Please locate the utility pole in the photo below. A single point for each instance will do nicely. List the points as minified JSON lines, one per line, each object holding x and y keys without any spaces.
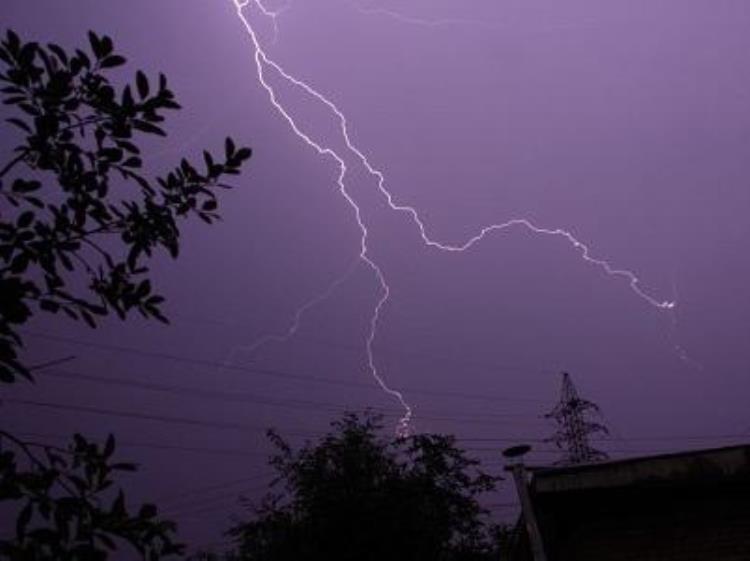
{"x":574,"y":429}
{"x":516,"y":467}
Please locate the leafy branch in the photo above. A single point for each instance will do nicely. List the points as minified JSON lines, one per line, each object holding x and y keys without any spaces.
{"x":68,"y":508}
{"x":80,"y":141}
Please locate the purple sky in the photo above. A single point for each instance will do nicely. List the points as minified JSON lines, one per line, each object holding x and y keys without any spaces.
{"x":625,"y":123}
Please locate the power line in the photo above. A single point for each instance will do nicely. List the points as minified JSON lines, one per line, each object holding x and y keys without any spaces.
{"x":536,"y":451}
{"x":243,"y":397}
{"x":157,"y":446}
{"x":151,"y":417}
{"x":157,"y":418}
{"x":624,"y":439}
{"x":265,"y":371}
{"x":230,"y":496}
{"x":296,"y":432}
{"x":199,"y":511}
{"x":238,"y":495}
{"x":247,"y":453}
{"x":188,"y":360}
{"x":50,"y":363}
{"x":493,"y":366}
{"x":214,"y":487}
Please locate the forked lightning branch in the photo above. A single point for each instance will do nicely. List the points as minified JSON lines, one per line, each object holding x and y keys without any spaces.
{"x":248,"y":11}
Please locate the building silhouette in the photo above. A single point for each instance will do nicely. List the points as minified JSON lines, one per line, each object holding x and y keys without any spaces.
{"x":689,"y":506}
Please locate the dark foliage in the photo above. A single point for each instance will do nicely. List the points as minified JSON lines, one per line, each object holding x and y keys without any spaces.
{"x":358,"y":496}
{"x":79,"y":221}
{"x":68,"y":509}
{"x":77,"y":184}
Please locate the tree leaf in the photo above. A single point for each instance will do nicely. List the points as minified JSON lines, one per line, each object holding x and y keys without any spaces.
{"x":59,"y":52}
{"x":20,"y":124}
{"x":106,"y":45}
{"x":143,"y":126}
{"x":142,"y":84}
{"x":243,"y":154}
{"x":229,"y":148}
{"x":95,"y":43}
{"x":112,"y":61}
{"x":25,"y":219}
{"x":27,"y":54}
{"x":22,"y":186}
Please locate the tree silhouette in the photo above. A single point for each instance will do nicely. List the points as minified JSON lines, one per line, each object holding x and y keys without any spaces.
{"x":358,"y":496}
{"x":67,"y":513}
{"x":79,"y":145}
{"x":81,"y":222}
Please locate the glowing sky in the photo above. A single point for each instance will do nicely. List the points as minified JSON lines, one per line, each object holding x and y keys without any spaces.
{"x":626,"y":124}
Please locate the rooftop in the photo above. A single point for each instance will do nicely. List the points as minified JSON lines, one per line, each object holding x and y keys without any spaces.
{"x":672,"y":469}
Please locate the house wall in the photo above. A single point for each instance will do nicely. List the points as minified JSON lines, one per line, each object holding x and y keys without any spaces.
{"x":686,"y":523}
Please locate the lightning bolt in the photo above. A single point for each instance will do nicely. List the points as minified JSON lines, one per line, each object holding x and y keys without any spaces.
{"x":262,"y":64}
{"x":419,"y":21}
{"x":291,"y":331}
{"x":679,"y":349}
{"x":272,"y":15}
{"x":454,"y":22}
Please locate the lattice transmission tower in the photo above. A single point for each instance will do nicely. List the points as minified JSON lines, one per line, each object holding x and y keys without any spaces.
{"x":572,"y":415}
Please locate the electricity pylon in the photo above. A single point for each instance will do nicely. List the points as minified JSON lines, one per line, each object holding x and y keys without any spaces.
{"x":574,"y":429}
